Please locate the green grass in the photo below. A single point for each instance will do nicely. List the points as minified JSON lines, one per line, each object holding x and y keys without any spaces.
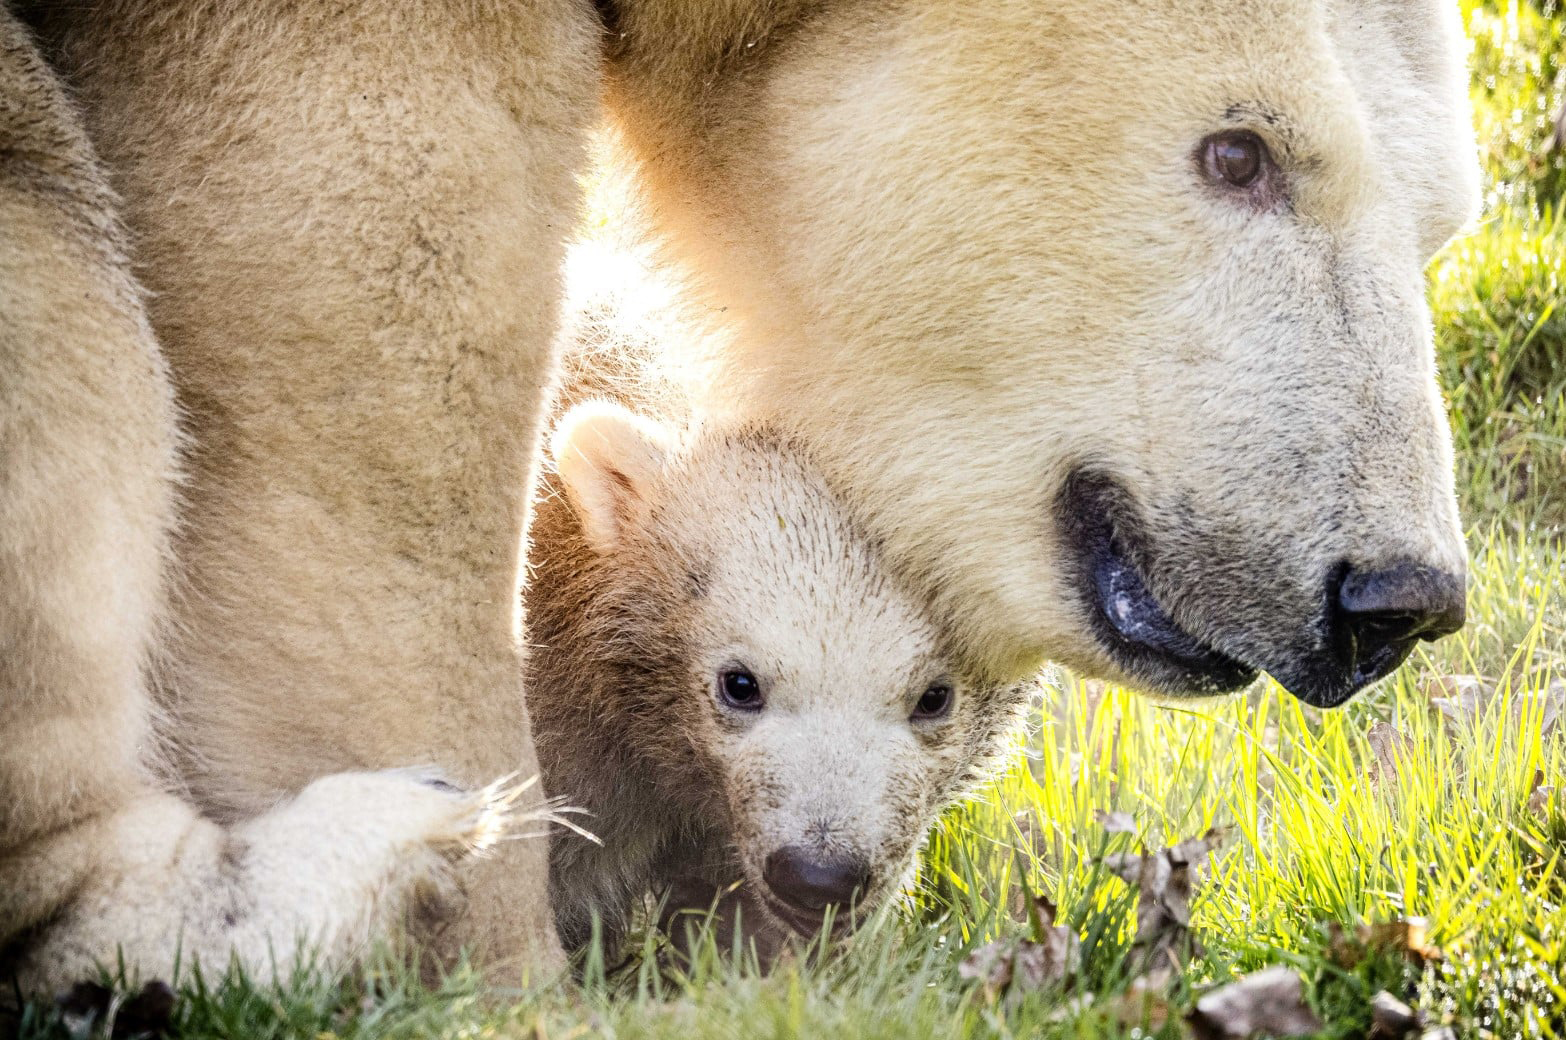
{"x":1319,"y":832}
{"x":1497,"y":293}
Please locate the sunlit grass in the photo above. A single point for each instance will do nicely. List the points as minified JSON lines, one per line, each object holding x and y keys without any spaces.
{"x":1320,"y":833}
{"x":1497,"y":293}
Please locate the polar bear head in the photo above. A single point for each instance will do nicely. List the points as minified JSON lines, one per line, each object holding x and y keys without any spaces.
{"x":1109,"y":322}
{"x":771,"y":696}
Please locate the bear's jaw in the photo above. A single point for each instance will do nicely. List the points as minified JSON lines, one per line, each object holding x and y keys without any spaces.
{"x":1336,"y":646}
{"x":1132,"y":626}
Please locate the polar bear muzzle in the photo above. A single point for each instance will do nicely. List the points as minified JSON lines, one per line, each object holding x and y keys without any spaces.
{"x":1364,"y":625}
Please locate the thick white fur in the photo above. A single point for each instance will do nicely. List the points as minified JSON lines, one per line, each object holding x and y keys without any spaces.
{"x":353,"y":858}
{"x":95,"y":859}
{"x":351,"y":221}
{"x":968,"y":246}
{"x":965,"y":248}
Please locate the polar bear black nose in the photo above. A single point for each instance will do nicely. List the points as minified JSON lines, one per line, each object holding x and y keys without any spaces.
{"x":1386,"y":610}
{"x":807,"y":881}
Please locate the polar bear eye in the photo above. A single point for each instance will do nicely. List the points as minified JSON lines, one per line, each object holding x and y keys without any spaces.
{"x":934,"y":703}
{"x":1238,"y":158}
{"x":737,"y":688}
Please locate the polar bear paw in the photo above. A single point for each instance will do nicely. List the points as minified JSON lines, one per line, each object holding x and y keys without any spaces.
{"x":352,"y":859}
{"x":356,"y":856}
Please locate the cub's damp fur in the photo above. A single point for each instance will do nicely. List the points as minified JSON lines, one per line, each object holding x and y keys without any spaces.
{"x":725,"y":677}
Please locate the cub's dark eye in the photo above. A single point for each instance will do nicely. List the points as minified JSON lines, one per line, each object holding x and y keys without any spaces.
{"x":1237,"y":158}
{"x":739,"y":689}
{"x":934,"y":702}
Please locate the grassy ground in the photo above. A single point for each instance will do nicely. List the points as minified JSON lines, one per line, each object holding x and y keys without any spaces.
{"x":1394,"y":807}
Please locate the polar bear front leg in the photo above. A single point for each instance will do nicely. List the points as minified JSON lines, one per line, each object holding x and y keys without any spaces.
{"x":95,"y":861}
{"x":319,"y":878}
{"x":87,"y":471}
{"x":352,"y":221}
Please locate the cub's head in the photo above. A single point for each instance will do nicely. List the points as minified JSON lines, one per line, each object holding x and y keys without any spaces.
{"x":778,"y":685}
{"x":1110,"y":327}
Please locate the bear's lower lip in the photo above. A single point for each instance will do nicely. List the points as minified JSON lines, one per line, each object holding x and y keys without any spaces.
{"x":1129,"y":622}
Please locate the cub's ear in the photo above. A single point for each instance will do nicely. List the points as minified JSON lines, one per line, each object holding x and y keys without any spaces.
{"x":607,"y":458}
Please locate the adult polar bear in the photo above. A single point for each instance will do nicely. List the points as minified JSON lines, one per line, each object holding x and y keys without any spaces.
{"x":1111,"y":328}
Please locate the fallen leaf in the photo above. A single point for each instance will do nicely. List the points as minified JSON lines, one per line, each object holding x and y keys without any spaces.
{"x":1165,"y":882}
{"x":1462,"y":700}
{"x":1015,"y":967}
{"x":1390,"y":746}
{"x":1268,"y":1002}
{"x":1142,"y":1008}
{"x":1554,"y":706}
{"x":1115,"y":822}
{"x":1391,"y":1019}
{"x":1458,"y":698}
{"x":1460,"y":688}
{"x":1408,"y":936}
{"x":1541,"y":797}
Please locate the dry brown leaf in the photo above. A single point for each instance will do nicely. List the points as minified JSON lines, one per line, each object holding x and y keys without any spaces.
{"x":1408,"y":936}
{"x":1015,"y":967}
{"x":1554,"y":706}
{"x":1459,"y":698}
{"x":1165,"y":882}
{"x":1390,"y":746}
{"x":1115,"y":822}
{"x":1143,"y":1008}
{"x":1466,"y":689}
{"x":1542,"y":797}
{"x":1269,"y":1002}
{"x":1391,"y":1019}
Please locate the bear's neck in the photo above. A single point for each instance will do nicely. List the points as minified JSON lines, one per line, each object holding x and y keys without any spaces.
{"x":677,"y":67}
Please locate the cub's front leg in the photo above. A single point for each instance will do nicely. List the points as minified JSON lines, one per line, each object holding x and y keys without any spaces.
{"x":735,"y":918}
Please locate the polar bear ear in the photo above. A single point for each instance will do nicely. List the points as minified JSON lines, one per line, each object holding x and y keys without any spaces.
{"x":607,"y":458}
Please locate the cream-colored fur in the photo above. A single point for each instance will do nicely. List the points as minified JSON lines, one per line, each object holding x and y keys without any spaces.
{"x":659,"y":562}
{"x":969,"y":248}
{"x":96,"y":859}
{"x":966,"y":247}
{"x":350,"y":222}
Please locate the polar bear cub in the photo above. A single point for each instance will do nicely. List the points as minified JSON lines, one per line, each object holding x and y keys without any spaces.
{"x":724,"y":676}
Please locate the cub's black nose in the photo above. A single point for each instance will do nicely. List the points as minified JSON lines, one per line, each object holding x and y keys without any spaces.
{"x":1384,"y":611}
{"x":810,"y":882}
